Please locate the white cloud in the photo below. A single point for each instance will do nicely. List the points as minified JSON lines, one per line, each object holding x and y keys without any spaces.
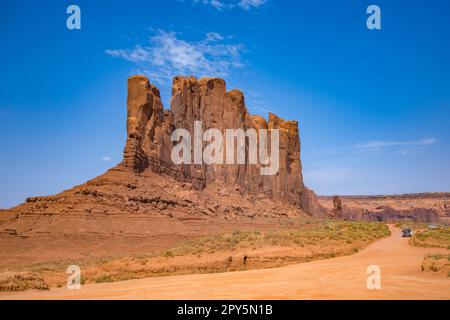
{"x":106,"y":158}
{"x":256,"y":104}
{"x":248,"y":4}
{"x":214,"y":36}
{"x":167,"y":55}
{"x":217,"y":4}
{"x":137,"y":55}
{"x":377,"y":146}
{"x":221,"y":5}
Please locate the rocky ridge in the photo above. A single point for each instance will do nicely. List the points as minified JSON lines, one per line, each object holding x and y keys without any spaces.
{"x":420,"y":207}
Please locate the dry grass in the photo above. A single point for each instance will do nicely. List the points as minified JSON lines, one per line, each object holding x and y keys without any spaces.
{"x":240,"y":250}
{"x":21,"y":281}
{"x":437,"y":263}
{"x":431,"y":238}
{"x":324,"y":233}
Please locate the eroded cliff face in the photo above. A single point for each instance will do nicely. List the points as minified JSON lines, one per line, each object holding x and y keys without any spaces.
{"x":420,"y":207}
{"x":146,"y":202}
{"x":149,"y":144}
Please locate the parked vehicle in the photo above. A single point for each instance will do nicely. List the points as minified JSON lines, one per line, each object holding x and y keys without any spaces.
{"x":407,"y":232}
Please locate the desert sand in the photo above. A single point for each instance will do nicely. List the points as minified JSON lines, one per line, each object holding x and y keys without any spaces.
{"x":338,"y":278}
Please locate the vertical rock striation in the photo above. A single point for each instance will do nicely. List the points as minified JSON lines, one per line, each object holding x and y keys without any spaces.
{"x":149,"y":145}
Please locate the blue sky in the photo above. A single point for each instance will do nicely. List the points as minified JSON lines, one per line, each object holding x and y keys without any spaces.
{"x":373,"y":105}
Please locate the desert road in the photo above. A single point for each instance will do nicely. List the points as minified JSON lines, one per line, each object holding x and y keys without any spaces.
{"x":337,"y":278}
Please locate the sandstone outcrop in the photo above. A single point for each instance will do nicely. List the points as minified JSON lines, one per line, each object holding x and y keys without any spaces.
{"x":149,"y":144}
{"x":147,"y":203}
{"x":420,"y":207}
{"x":337,"y":204}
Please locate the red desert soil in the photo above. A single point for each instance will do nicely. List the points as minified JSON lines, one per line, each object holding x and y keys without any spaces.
{"x":338,"y":278}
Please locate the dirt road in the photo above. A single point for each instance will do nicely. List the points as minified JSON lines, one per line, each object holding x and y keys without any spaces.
{"x":338,"y":278}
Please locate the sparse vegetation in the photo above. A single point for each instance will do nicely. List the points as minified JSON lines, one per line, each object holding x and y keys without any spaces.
{"x":437,"y":263}
{"x":240,"y":250}
{"x":431,"y":238}
{"x":103,"y":279}
{"x":436,"y":256}
{"x":328,"y":233}
{"x":22,"y":281}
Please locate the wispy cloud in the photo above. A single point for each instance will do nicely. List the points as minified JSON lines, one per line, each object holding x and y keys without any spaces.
{"x":167,"y":55}
{"x":227,"y":4}
{"x":377,"y":146}
{"x":256,"y":104}
{"x":249,"y":4}
{"x":216,"y":4}
{"x":106,"y":158}
{"x":374,"y":147}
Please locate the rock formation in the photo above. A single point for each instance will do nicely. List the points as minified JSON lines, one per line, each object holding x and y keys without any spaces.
{"x":149,"y":144}
{"x":146,"y":202}
{"x":337,"y":204}
{"x":420,"y":207}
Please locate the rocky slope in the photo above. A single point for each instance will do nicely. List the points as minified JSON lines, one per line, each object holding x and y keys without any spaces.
{"x":146,"y":202}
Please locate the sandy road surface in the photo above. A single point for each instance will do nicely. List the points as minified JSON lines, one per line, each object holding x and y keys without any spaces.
{"x":338,"y":278}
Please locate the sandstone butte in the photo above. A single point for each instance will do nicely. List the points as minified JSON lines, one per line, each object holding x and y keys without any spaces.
{"x":149,"y":144}
{"x":146,"y":202}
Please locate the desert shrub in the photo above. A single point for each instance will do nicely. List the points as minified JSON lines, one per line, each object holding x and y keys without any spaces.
{"x":104,"y":278}
{"x":435,"y":256}
{"x":435,"y":238}
{"x":168,"y":253}
{"x":22,"y":281}
{"x":309,"y":233}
